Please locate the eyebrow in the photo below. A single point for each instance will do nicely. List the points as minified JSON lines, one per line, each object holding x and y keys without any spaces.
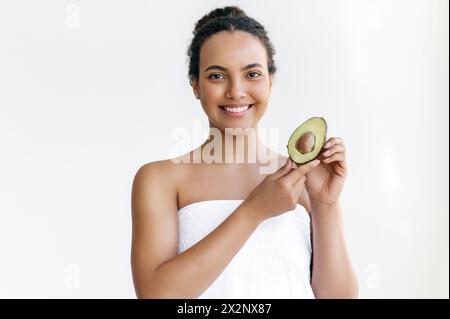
{"x":218,"y":67}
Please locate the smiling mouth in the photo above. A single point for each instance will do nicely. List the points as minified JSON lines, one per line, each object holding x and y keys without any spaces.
{"x":240,"y":109}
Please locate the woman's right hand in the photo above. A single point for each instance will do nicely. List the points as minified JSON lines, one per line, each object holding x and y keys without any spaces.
{"x":279,"y":192}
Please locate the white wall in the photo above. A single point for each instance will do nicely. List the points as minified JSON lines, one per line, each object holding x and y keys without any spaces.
{"x":91,"y":90}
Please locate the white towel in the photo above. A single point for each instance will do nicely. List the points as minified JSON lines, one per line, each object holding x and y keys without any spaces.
{"x":273,"y":263}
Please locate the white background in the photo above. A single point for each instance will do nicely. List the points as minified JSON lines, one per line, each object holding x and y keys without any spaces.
{"x":91,"y":90}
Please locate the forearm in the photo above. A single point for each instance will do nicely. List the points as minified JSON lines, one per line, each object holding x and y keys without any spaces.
{"x":190,"y":273}
{"x":332,"y":274}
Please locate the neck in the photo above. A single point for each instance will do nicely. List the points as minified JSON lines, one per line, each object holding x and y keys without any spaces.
{"x":233,"y":146}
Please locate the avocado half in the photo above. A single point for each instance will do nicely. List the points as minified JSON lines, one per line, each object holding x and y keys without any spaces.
{"x":307,"y":140}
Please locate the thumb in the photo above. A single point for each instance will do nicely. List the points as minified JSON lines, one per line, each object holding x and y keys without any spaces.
{"x":283,"y":170}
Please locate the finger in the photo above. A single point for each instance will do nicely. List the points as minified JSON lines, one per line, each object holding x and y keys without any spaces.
{"x":295,"y":165}
{"x":333,"y":141}
{"x":335,"y":158}
{"x":283,"y":170}
{"x":297,"y":173}
{"x":299,"y":185}
{"x":334,"y":149}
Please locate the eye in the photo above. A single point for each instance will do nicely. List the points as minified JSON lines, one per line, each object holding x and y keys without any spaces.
{"x":213,"y":76}
{"x":256,"y":76}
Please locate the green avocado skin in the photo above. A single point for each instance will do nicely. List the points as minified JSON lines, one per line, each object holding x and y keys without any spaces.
{"x":318,"y":126}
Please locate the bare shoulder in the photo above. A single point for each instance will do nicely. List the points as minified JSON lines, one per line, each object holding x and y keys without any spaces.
{"x":162,"y":171}
{"x":156,"y":181}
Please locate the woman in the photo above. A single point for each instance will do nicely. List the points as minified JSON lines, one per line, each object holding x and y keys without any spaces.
{"x":222,"y":229}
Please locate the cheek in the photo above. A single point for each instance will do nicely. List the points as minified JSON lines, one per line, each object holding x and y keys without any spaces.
{"x":261,"y":90}
{"x":261,"y":93}
{"x":212,"y":93}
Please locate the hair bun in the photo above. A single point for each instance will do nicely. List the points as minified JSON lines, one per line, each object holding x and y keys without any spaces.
{"x":229,"y":11}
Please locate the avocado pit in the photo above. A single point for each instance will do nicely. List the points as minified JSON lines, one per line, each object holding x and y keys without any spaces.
{"x":305,"y":144}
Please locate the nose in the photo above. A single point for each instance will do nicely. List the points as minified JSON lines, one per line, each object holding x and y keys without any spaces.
{"x":236,"y":90}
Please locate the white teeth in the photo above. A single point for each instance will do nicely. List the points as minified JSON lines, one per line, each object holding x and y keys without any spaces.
{"x":237,"y":109}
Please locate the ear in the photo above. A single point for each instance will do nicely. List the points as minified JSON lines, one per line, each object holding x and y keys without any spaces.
{"x":270,"y":84}
{"x":195,"y":88}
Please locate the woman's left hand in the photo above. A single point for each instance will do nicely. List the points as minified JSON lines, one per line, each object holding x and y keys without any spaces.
{"x":325,"y":182}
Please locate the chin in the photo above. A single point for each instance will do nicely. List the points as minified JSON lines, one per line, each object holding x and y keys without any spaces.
{"x":238,"y":127}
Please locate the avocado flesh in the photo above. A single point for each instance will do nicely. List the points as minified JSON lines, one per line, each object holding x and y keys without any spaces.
{"x":316,"y":125}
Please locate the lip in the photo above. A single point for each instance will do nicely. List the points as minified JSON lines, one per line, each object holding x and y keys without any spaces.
{"x":236,"y":114}
{"x":236,"y":105}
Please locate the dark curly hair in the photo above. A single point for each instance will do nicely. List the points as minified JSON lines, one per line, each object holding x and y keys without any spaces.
{"x":228,"y":18}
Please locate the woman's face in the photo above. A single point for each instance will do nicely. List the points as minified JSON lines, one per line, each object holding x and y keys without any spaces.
{"x":233,"y":72}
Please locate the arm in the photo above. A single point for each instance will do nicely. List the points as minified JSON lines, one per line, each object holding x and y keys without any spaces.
{"x":332,"y":276}
{"x":158,"y":271}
